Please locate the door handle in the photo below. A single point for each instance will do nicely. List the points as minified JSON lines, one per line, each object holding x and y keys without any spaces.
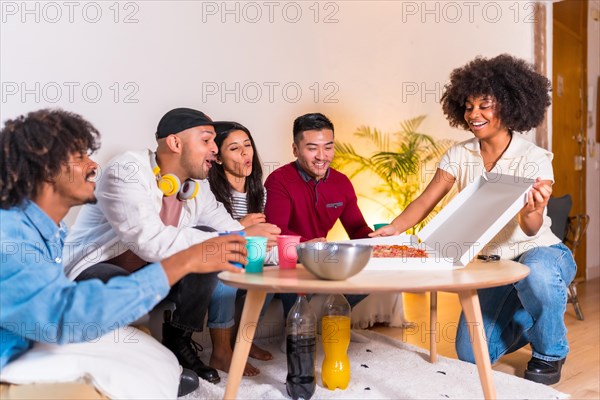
{"x":579,"y":162}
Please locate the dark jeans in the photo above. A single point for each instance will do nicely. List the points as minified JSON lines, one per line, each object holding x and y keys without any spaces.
{"x":288,"y":300}
{"x":102,"y":271}
{"x":191,"y":295}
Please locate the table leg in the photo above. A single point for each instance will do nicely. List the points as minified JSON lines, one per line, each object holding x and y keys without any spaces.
{"x":470,"y":305}
{"x":252,"y":306}
{"x":433,"y":327}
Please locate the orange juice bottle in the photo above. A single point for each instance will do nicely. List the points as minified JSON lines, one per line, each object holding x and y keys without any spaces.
{"x":335,"y":330}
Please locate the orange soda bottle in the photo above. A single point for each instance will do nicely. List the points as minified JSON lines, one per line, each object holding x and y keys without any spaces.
{"x":335,"y":330}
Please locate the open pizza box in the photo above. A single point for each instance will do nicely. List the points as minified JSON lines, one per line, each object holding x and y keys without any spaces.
{"x":462,"y":228}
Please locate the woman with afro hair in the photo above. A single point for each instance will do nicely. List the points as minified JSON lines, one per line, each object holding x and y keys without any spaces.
{"x":496,"y":98}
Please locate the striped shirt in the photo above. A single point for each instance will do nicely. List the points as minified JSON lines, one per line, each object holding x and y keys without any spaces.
{"x":239,"y":204}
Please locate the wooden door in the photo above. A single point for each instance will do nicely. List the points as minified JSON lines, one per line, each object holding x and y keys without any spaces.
{"x":568,"y":110}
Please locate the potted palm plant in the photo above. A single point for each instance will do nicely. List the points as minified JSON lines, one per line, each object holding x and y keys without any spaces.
{"x":402,"y":165}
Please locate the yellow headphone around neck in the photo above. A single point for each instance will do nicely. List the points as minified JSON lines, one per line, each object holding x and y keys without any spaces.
{"x":170,"y":184}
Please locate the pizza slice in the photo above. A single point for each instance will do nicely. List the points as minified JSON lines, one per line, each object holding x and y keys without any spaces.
{"x":397,"y":251}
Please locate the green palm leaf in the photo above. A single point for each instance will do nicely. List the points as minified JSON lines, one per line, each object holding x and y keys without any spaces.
{"x":379,"y":139}
{"x":398,"y":163}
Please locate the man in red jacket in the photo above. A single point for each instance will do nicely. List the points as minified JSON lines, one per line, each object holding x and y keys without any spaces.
{"x":306,"y":197}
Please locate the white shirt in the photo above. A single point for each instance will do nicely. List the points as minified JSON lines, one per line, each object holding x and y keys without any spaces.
{"x":522,"y":158}
{"x":127,"y":216}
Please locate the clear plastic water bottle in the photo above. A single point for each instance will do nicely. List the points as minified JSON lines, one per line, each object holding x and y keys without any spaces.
{"x":301,"y":338}
{"x":335,"y":335}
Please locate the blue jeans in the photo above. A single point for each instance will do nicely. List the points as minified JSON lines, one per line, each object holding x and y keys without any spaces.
{"x":221,"y":311}
{"x":529,"y":311}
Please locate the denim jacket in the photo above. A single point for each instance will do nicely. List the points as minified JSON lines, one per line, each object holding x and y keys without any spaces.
{"x":38,"y":303}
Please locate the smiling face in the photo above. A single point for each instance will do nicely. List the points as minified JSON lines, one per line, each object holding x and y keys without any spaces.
{"x":481,"y":113}
{"x":236,"y":155}
{"x":315,"y":151}
{"x":198,"y":151}
{"x":75,"y":183}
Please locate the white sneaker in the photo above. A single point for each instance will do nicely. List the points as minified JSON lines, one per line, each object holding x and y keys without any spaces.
{"x":357,"y":337}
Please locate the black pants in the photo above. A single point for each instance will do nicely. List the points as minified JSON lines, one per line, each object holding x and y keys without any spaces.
{"x":191,"y":294}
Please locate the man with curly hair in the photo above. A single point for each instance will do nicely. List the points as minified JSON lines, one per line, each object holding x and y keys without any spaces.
{"x":495,"y":98}
{"x":45,"y":169}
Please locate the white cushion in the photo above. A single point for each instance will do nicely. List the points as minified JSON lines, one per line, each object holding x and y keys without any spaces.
{"x":123,"y":364}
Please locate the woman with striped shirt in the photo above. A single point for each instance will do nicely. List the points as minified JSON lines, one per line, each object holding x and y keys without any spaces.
{"x":236,"y":181}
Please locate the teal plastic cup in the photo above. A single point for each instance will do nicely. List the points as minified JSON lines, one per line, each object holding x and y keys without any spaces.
{"x":241,"y":233}
{"x":257,"y":250}
{"x":377,"y":226}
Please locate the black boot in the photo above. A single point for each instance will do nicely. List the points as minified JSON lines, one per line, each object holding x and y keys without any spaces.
{"x":542,"y":371}
{"x":188,"y":382}
{"x":180,"y":342}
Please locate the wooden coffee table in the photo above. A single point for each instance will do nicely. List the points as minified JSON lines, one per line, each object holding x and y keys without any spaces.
{"x":464,"y":282}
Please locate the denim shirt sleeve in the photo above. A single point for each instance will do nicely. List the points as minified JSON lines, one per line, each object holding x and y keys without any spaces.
{"x":39,"y":303}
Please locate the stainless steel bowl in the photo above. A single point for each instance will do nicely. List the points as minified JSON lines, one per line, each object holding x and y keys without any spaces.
{"x":334,"y":261}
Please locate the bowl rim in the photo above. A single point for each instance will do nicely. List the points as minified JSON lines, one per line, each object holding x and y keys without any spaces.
{"x":312,"y":244}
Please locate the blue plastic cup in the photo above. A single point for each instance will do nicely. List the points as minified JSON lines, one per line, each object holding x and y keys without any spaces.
{"x":241,"y":233}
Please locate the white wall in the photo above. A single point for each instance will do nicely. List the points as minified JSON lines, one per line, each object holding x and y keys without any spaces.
{"x":593,"y":156}
{"x":360,"y":62}
{"x":373,"y":54}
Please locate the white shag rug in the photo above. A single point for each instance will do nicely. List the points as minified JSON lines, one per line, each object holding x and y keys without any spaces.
{"x":384,"y":368}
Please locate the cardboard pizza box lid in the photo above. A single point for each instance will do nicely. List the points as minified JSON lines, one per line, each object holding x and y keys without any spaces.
{"x":462,"y":228}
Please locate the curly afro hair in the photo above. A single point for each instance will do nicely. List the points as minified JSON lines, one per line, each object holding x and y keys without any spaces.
{"x":33,"y":149}
{"x":520,"y":92}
